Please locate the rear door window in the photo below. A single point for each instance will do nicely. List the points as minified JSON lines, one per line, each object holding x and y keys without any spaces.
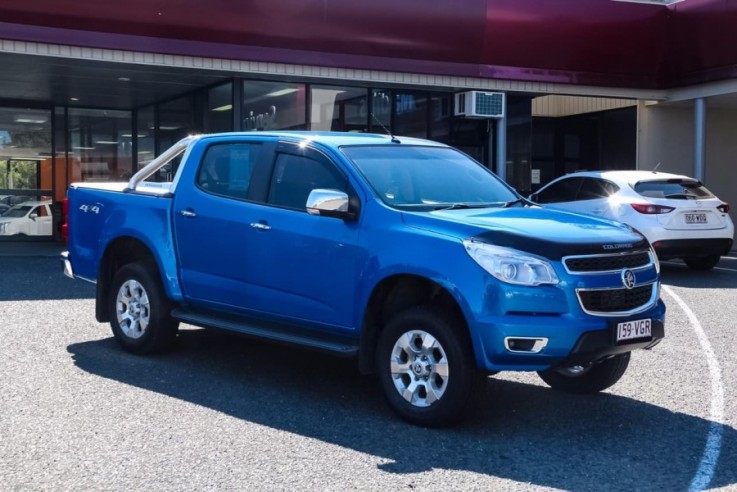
{"x":675,"y":189}
{"x":227,"y":168}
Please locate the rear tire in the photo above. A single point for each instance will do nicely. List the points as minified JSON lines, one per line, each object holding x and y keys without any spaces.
{"x":702,"y":263}
{"x":592,"y":379}
{"x":139,"y":310}
{"x":426,"y":366}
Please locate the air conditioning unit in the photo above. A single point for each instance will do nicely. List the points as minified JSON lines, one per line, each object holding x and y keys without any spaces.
{"x":479,"y":104}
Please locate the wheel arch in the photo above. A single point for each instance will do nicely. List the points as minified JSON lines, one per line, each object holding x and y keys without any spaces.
{"x":395,"y":294}
{"x":119,"y":252}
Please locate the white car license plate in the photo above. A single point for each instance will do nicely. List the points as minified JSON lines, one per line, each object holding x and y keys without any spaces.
{"x":630,"y":330}
{"x":695,"y":218}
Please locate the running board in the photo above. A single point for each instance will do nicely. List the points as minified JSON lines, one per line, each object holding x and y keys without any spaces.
{"x":264,"y":330}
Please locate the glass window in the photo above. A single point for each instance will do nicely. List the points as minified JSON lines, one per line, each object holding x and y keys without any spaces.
{"x":176,"y":121}
{"x":564,"y":190}
{"x":219,"y":114}
{"x":411,"y":114}
{"x":296,"y":176}
{"x":381,"y":111}
{"x":440,"y":118}
{"x":594,"y":188}
{"x":25,"y":155}
{"x":679,"y":189}
{"x":429,"y":177}
{"x":339,"y":109}
{"x":273,"y":106}
{"x":101,"y":144}
{"x":226,"y":169}
{"x":145,"y":136}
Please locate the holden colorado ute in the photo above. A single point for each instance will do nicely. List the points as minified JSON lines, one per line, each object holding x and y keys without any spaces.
{"x":403,"y":253}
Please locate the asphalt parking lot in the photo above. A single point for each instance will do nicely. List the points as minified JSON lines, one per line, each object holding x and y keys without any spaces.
{"x":222,"y":412}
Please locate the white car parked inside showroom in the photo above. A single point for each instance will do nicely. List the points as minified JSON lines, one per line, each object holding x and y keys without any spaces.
{"x":677,"y":214}
{"x":32,"y":218}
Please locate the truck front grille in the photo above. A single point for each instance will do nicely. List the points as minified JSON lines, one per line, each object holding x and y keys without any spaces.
{"x":607,"y":263}
{"x":617,"y":301}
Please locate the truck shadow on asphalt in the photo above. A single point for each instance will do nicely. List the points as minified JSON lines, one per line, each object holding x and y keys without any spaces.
{"x":519,"y":431}
{"x":39,"y":279}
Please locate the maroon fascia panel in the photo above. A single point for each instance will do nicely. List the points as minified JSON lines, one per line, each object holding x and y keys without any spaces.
{"x":583,"y":42}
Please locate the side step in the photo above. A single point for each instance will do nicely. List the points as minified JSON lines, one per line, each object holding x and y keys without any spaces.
{"x":265,"y":330}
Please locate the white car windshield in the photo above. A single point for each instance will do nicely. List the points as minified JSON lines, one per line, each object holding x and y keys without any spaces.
{"x":17,"y":211}
{"x":429,"y":178}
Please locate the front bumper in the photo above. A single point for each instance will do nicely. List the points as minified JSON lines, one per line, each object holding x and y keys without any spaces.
{"x":539,"y":342}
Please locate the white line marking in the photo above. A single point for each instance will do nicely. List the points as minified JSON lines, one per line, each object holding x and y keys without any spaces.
{"x":710,"y":458}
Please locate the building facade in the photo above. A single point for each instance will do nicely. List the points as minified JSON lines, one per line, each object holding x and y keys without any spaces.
{"x":91,"y":91}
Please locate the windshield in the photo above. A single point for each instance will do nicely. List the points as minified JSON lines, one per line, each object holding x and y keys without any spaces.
{"x":17,"y":211}
{"x":429,"y":178}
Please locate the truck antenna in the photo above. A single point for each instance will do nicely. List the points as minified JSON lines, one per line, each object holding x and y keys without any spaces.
{"x":394,"y":139}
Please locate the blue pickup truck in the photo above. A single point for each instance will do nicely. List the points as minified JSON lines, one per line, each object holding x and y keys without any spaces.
{"x":403,"y":253}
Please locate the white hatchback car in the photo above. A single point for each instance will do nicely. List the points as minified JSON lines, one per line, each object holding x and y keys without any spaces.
{"x":677,"y":214}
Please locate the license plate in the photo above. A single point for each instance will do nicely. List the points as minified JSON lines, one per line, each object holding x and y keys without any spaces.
{"x":695,"y":218}
{"x":630,"y":330}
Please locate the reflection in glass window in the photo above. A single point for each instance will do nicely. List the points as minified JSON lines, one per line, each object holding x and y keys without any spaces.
{"x":340,"y":109}
{"x":176,"y":121}
{"x":411,"y":114}
{"x":145,"y":136}
{"x":101,"y":144}
{"x":226,"y":169}
{"x":219,"y":112}
{"x":273,"y":106}
{"x":440,"y":118}
{"x":381,"y":111}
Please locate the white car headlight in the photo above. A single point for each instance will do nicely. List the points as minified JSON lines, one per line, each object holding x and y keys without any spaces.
{"x":511,"y":266}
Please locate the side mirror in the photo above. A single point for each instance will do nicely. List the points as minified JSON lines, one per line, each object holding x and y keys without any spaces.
{"x":329,"y":203}
{"x":33,"y":216}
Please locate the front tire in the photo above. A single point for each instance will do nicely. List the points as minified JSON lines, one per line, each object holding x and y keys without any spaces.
{"x":590,"y":379}
{"x":702,"y":263}
{"x":139,"y":310}
{"x":426,"y":366}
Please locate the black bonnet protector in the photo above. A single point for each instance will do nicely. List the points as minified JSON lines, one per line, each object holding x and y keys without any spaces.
{"x":554,"y":250}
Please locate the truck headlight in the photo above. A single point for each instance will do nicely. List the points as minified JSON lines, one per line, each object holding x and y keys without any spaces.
{"x":511,"y":266}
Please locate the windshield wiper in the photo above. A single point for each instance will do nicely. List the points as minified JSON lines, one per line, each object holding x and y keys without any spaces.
{"x":462,"y":206}
{"x":514,"y":202}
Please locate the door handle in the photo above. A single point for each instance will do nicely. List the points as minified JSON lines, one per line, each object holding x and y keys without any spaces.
{"x":187,"y":213}
{"x":260,"y":226}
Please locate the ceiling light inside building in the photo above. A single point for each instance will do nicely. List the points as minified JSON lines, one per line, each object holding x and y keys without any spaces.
{"x":30,"y":118}
{"x":282,"y":92}
{"x":225,"y":107}
{"x":107,"y":142}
